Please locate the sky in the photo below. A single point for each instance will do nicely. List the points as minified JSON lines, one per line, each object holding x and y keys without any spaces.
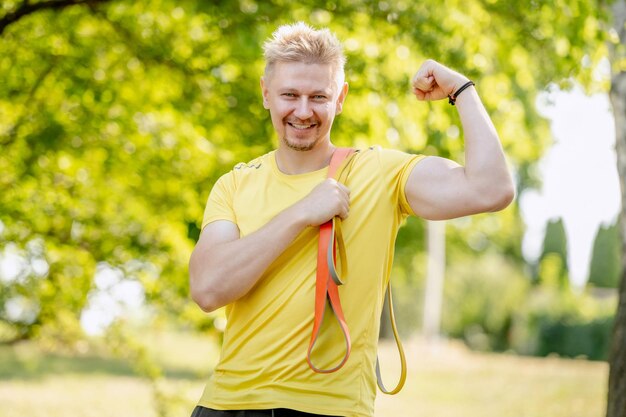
{"x":580,"y":179}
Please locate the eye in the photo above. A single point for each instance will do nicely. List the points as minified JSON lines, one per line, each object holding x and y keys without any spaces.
{"x":319,"y":97}
{"x":288,"y":95}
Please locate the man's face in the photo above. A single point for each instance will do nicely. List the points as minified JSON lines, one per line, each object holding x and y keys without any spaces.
{"x":303,"y":100}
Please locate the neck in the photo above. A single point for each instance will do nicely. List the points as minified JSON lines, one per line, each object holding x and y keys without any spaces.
{"x":292,"y":162}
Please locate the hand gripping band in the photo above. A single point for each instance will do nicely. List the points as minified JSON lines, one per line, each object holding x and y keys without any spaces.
{"x":326,"y":281}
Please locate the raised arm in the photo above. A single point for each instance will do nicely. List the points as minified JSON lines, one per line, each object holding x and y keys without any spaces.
{"x":439,"y":188}
{"x":224,"y":267}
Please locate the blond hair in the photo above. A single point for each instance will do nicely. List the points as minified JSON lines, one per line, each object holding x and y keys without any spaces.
{"x":300,"y":42}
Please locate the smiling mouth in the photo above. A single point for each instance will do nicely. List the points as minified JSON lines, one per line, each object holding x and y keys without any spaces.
{"x":300,"y":126}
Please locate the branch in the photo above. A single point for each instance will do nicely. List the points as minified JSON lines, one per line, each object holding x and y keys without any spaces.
{"x":137,"y":48}
{"x":13,"y":131}
{"x":27,"y":8}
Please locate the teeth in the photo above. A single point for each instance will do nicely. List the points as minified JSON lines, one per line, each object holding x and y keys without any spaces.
{"x":299,"y":126}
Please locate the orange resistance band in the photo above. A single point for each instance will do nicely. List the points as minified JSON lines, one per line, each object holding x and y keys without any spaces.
{"x":328,"y":279}
{"x":325,"y":285}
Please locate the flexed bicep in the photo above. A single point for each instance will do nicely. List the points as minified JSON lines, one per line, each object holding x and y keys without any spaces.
{"x":438,"y":189}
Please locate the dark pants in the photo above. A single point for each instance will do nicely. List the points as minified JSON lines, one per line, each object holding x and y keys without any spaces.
{"x":277,"y":412}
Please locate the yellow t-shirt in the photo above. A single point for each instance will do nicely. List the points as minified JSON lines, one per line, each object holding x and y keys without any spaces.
{"x":263,"y":360}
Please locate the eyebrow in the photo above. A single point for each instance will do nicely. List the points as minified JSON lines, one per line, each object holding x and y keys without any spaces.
{"x":294,"y":90}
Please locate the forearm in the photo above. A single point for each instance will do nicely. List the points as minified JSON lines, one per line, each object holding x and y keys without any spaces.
{"x":439,"y":188}
{"x":224,"y":272}
{"x":485,"y":164}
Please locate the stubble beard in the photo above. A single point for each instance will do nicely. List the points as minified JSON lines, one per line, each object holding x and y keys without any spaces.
{"x":299,"y":146}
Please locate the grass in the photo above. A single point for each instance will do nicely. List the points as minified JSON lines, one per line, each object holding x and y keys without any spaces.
{"x":444,"y":380}
{"x":449,"y":380}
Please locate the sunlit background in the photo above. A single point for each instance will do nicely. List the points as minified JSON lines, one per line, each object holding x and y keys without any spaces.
{"x":117,"y":118}
{"x":580,"y":180}
{"x":580,"y":186}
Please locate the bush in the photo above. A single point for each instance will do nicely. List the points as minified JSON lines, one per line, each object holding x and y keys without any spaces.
{"x":590,"y":339}
{"x":564,"y":323}
{"x":490,"y":305}
{"x":482,"y":295}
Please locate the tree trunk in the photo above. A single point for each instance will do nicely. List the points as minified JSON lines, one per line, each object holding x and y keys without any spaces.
{"x":433,"y":295}
{"x":616,"y":403}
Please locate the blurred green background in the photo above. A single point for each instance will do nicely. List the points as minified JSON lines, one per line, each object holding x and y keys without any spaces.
{"x":116,"y":118}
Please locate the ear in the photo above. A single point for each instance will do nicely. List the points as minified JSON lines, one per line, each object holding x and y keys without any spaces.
{"x":342,"y":96}
{"x":265,"y":93}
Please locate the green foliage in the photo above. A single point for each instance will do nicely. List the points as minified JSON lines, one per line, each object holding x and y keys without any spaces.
{"x":553,"y":264}
{"x":590,"y":339}
{"x":490,"y":304}
{"x":605,"y":268}
{"x":565,"y":38}
{"x":407,"y":279}
{"x":123,"y":342}
{"x":117,"y":119}
{"x":555,"y":240}
{"x":482,"y":296}
{"x":564,"y":323}
{"x":552,"y":272}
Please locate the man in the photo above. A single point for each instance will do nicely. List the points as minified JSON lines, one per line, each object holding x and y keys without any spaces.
{"x":257,"y":251}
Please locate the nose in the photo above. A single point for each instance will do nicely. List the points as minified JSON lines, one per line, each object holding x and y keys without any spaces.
{"x":303,"y":108}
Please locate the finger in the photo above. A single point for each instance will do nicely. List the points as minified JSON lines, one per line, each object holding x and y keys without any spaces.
{"x":424,"y":83}
{"x":344,"y":188}
{"x":343,"y":214}
{"x":425,"y":69}
{"x":414,"y":79}
{"x":346,"y":196}
{"x":340,"y":191}
{"x":419,"y":94}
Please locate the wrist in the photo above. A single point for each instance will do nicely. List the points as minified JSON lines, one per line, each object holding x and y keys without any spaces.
{"x":460,"y":82}
{"x":452,"y":97}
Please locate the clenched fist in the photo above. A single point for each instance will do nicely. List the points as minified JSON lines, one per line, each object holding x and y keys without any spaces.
{"x":434,"y":81}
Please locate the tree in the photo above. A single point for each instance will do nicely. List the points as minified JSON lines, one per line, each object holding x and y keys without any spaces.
{"x":570,"y":38}
{"x":555,"y":248}
{"x":116,"y":118}
{"x":617,"y":375}
{"x":604,"y":269}
{"x":555,"y":240}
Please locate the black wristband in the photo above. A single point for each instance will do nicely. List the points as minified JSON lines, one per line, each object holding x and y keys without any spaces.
{"x":452,"y":97}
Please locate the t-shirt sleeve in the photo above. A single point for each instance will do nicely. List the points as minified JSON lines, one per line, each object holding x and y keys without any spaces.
{"x":396,"y":169}
{"x":219,"y":206}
